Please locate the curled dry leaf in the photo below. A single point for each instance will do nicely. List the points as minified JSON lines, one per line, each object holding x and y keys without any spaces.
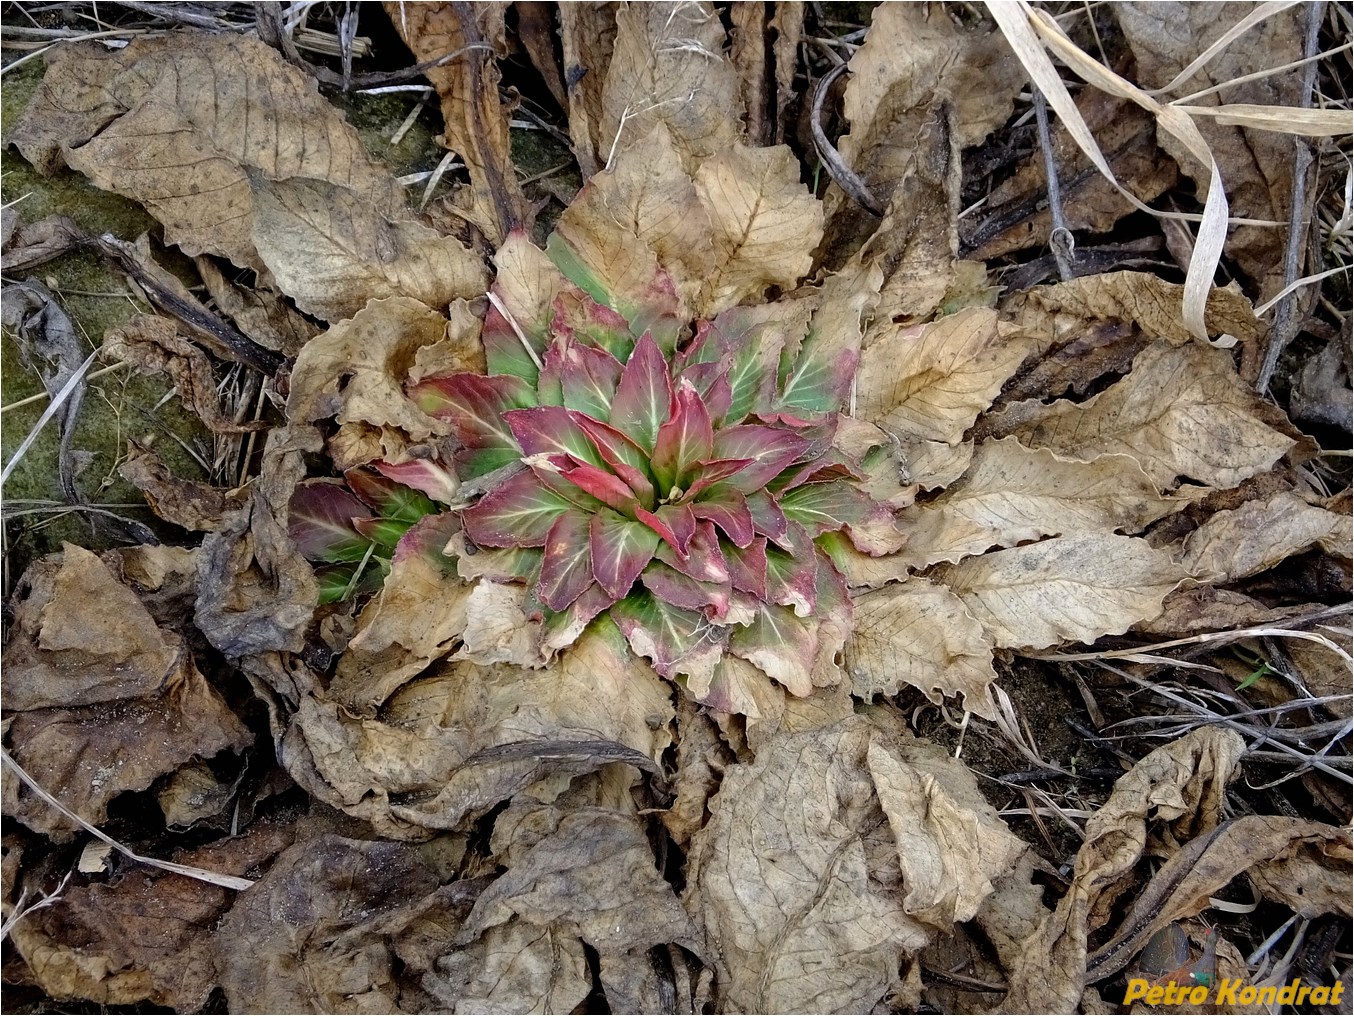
{"x":145,"y":934}
{"x":1071,"y":587}
{"x":88,"y":672}
{"x":1233,"y":545}
{"x":513,"y":967}
{"x":806,"y":897}
{"x":1013,"y":494}
{"x":667,"y":66}
{"x":1181,"y":412}
{"x":474,"y":119}
{"x":919,"y":633}
{"x":209,"y":108}
{"x":587,"y":35}
{"x":931,"y":381}
{"x":188,"y":503}
{"x":1180,"y":786}
{"x":763,"y":51}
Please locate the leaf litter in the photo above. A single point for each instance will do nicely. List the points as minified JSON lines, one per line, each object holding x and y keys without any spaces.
{"x":503,"y":687}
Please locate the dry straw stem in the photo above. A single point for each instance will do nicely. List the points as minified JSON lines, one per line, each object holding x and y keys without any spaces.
{"x":188,"y":871}
{"x":1029,"y":31}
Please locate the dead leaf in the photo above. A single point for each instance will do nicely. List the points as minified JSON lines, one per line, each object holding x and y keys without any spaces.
{"x":1071,"y":587}
{"x":1233,"y":545}
{"x":513,"y":967}
{"x":919,"y":633}
{"x":931,"y":381}
{"x":701,"y":756}
{"x":88,"y":671}
{"x":667,"y":65}
{"x":1181,"y":786}
{"x":475,"y":121}
{"x":766,"y":224}
{"x":313,"y":935}
{"x":497,"y":629}
{"x":763,"y":50}
{"x":191,"y":504}
{"x":1256,"y":164}
{"x":804,"y":891}
{"x":1181,"y":412}
{"x":260,"y":313}
{"x":202,"y":108}
{"x":587,"y":36}
{"x":1206,"y":609}
{"x":145,"y":934}
{"x":1012,"y":494}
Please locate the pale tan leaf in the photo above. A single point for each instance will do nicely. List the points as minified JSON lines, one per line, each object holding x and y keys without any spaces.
{"x":801,"y":913}
{"x":1069,"y":588}
{"x":668,"y":65}
{"x":331,"y":251}
{"x":935,"y":464}
{"x":918,"y":633}
{"x":587,"y":34}
{"x":497,"y":629}
{"x":1180,"y":412}
{"x":647,"y":194}
{"x":179,"y":123}
{"x":1232,"y":545}
{"x":766,"y":223}
{"x":513,"y":967}
{"x":951,"y":843}
{"x":931,"y":381}
{"x":416,"y":619}
{"x":1013,"y":494}
{"x":356,"y":369}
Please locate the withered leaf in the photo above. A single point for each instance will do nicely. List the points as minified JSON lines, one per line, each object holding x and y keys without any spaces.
{"x":1071,"y":587}
{"x":1259,"y":535}
{"x":587,"y":35}
{"x":188,"y":503}
{"x":919,"y":633}
{"x":667,"y":65}
{"x":202,"y":108}
{"x":1012,"y":494}
{"x":515,"y":967}
{"x":931,"y":381}
{"x":1182,"y":411}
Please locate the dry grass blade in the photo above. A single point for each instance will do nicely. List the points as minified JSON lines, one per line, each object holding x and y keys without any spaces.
{"x":188,"y":871}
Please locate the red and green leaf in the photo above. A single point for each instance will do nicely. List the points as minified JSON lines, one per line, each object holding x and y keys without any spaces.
{"x":826,"y":507}
{"x":551,"y":430}
{"x":792,"y":581}
{"x":671,"y":586}
{"x":336,"y":582}
{"x":709,"y":473}
{"x":562,"y":628}
{"x":819,"y":380}
{"x":517,"y":513}
{"x":767,"y":518}
{"x":626,"y":459}
{"x":320,"y":521}
{"x":704,"y":560}
{"x":474,"y":406}
{"x":589,"y":379}
{"x":566,"y":567}
{"x":662,"y":632}
{"x":389,"y":498}
{"x":781,"y":645}
{"x":684,"y":440}
{"x":588,"y":323}
{"x":385,"y":533}
{"x":771,"y":449}
{"x":428,"y":538}
{"x":497,"y":564}
{"x":747,"y":567}
{"x":728,"y":509}
{"x":620,"y":550}
{"x":606,"y":487}
{"x":426,"y":475}
{"x":712,"y":382}
{"x":676,"y":524}
{"x":644,"y":396}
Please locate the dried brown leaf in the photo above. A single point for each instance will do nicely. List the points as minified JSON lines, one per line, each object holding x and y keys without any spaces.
{"x":667,"y":65}
{"x":1182,"y":411}
{"x":1260,"y":534}
{"x":475,"y":120}
{"x":1013,"y":494}
{"x":260,"y":313}
{"x":1068,"y":588}
{"x":919,"y":633}
{"x":587,"y":36}
{"x":188,"y":503}
{"x":513,"y":967}
{"x":931,"y":381}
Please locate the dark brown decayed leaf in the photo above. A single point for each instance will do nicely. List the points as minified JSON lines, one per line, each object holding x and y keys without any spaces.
{"x":187,"y":503}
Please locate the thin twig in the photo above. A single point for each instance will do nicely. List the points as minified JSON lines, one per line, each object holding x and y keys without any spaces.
{"x":1060,"y":240}
{"x":836,"y":167}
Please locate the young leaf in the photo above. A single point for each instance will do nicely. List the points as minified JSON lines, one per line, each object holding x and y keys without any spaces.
{"x":517,"y":513}
{"x":728,"y":509}
{"x":684,"y":440}
{"x":320,"y":521}
{"x":707,"y":474}
{"x":644,"y":396}
{"x":704,"y":561}
{"x":606,"y":487}
{"x":566,"y":568}
{"x":390,"y":498}
{"x":767,"y":518}
{"x":625,"y":458}
{"x":675,"y":523}
{"x":620,"y":550}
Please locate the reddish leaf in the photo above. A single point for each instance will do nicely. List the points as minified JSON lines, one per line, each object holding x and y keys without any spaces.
{"x":704,"y":560}
{"x":390,"y":498}
{"x":566,"y":567}
{"x":588,"y":323}
{"x":497,"y":564}
{"x":589,"y":379}
{"x":517,"y":513}
{"x":320,"y":521}
{"x":767,"y":518}
{"x":644,"y":396}
{"x":771,"y":448}
{"x":675,"y":523}
{"x":551,"y":430}
{"x":753,"y":338}
{"x":728,"y":509}
{"x":562,"y":628}
{"x":428,"y":538}
{"x":625,"y":457}
{"x":819,"y":380}
{"x":747,"y":567}
{"x":792,"y":581}
{"x":781,"y":645}
{"x":683,"y":440}
{"x":474,"y":405}
{"x":433,"y":478}
{"x":606,"y":487}
{"x":662,"y":632}
{"x":385,"y":533}
{"x":620,"y":550}
{"x":711,"y":380}
{"x":671,"y":586}
{"x":707,"y":474}
{"x":550,"y":383}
